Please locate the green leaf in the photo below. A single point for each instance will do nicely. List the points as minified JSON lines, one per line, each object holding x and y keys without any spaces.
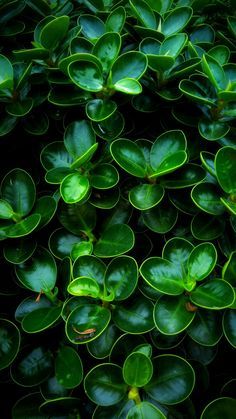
{"x":6,"y":211}
{"x":206,"y":328}
{"x":132,"y":64}
{"x":104,"y":176}
{"x":146,"y":196}
{"x":214,"y":295}
{"x":229,"y":326}
{"x":129,"y":86}
{"x":86,"y":322}
{"x":144,"y":13}
{"x":205,"y":227}
{"x":9,"y":342}
{"x":161,"y":218}
{"x":195,"y":92}
{"x":162,"y":275}
{"x":129,"y":156}
{"x":214,"y":71}
{"x":171,"y":315}
{"x":229,"y":269}
{"x":220,"y":53}
{"x":86,"y":75}
{"x":23,"y":227}
{"x":168,"y":152}
{"x":207,"y":197}
{"x":92,"y":27}
{"x":55,"y":155}
{"x":116,"y":20}
{"x":68,"y":367}
{"x":80,"y":249}
{"x":115,"y":240}
{"x":74,"y":188}
{"x":90,"y":267}
{"x":100,"y":109}
{"x":172,"y":381}
{"x":212,"y":130}
{"x":101,"y":347}
{"x":176,"y":20}
{"x":54,"y":31}
{"x":135,"y":317}
{"x":38,"y":273}
{"x":40,"y":319}
{"x":19,"y":250}
{"x":28,"y":406}
{"x":84,"y":286}
{"x":145,"y":409}
{"x":104,"y":384}
{"x":31,"y":54}
{"x":137,"y":369}
{"x":107,"y":49}
{"x":173,"y":45}
{"x":18,"y":189}
{"x":177,"y":250}
{"x":6,"y":73}
{"x":33,"y":366}
{"x":202,"y":261}
{"x":121,"y":277}
{"x":110,"y":128}
{"x":79,"y":138}
{"x":229,"y":204}
{"x":225,"y":169}
{"x":222,"y":407}
{"x":76,"y":218}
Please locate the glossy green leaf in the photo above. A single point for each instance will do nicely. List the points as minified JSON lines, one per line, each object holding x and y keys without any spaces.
{"x":6,"y":211}
{"x":74,"y":188}
{"x":54,"y":31}
{"x":84,"y":286}
{"x":229,"y":326}
{"x":86,"y":322}
{"x":214,"y":295}
{"x":129,"y":156}
{"x":168,"y":152}
{"x":116,"y":20}
{"x":129,"y":86}
{"x":177,"y":250}
{"x":6,"y":73}
{"x":162,"y":275}
{"x":79,"y":138}
{"x":121,"y":277}
{"x":201,"y":261}
{"x":76,"y":218}
{"x":23,"y":227}
{"x":55,"y":155}
{"x":146,"y":196}
{"x":110,"y":128}
{"x":104,"y":176}
{"x":145,"y":409}
{"x":104,"y":384}
{"x":173,"y":379}
{"x":80,"y":249}
{"x":222,"y":407}
{"x":205,"y":227}
{"x":107,"y":49}
{"x":137,"y":369}
{"x":9,"y":342}
{"x":161,"y":218}
{"x":99,"y":109}
{"x":171,"y":315}
{"x":86,"y":75}
{"x":28,"y":406}
{"x":144,"y":13}
{"x":131,"y":64}
{"x":225,"y":166}
{"x":18,"y":189}
{"x":68,"y":367}
{"x":33,"y":366}
{"x":61,"y":406}
{"x":214,"y":71}
{"x":19,"y":250}
{"x":115,"y":240}
{"x":61,"y":243}
{"x":39,"y":272}
{"x":134,"y":317}
{"x":212,"y":130}
{"x":101,"y":347}
{"x":20,"y":109}
{"x":173,"y":45}
{"x":206,"y":328}
{"x":40,"y":319}
{"x":229,"y":270}
{"x":206,"y":196}
{"x":187,"y":176}
{"x":176,"y":20}
{"x":91,"y":267}
{"x":92,"y":27}
{"x":195,"y":92}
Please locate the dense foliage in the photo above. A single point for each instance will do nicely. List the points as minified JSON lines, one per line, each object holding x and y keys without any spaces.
{"x":118,"y":209}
